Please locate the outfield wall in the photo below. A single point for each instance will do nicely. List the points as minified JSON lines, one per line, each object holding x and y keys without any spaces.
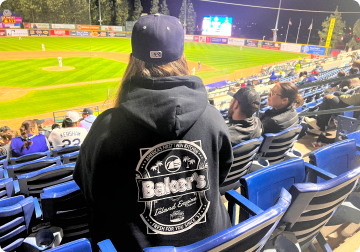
{"x":40,"y":29}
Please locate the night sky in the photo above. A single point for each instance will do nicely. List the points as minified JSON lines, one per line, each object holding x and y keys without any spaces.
{"x":265,"y":19}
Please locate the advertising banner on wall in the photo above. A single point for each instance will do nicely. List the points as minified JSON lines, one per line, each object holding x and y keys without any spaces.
{"x":63,"y":26}
{"x":271,"y":45}
{"x":72,"y":33}
{"x":36,"y":26}
{"x":318,"y":50}
{"x":189,"y":38}
{"x":204,"y":39}
{"x":111,"y":28}
{"x":7,"y":16}
{"x":253,"y":43}
{"x":219,"y":40}
{"x":88,"y":27}
{"x":116,"y":34}
{"x":82,"y":33}
{"x":17,"y":33}
{"x":233,"y":41}
{"x":290,"y":47}
{"x":98,"y":34}
{"x":10,"y":26}
{"x":2,"y":33}
{"x":39,"y":33}
{"x":196,"y":38}
{"x":59,"y":33}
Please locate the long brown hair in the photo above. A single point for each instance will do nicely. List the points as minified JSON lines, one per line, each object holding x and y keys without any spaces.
{"x":139,"y":68}
{"x":25,"y":129}
{"x":290,"y":91}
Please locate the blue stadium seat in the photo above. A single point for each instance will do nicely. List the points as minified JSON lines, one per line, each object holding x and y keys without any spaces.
{"x":83,"y":245}
{"x":70,"y":157}
{"x":3,"y":157}
{"x":16,"y":170}
{"x":33,"y":183}
{"x":356,"y":136}
{"x":312,"y":204}
{"x":29,"y":157}
{"x":8,"y":187}
{"x":250,"y":235}
{"x":65,"y":150}
{"x":17,"y":215}
{"x":244,"y":154}
{"x":280,"y":146}
{"x":345,"y":126}
{"x":64,"y":206}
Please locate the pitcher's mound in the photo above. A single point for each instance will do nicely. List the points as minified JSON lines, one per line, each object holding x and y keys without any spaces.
{"x":57,"y":68}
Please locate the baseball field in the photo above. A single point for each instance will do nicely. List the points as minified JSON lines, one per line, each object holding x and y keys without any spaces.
{"x":33,"y":85}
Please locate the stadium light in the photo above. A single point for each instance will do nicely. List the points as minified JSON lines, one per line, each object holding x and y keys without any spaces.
{"x":100,"y":13}
{"x":277,"y":22}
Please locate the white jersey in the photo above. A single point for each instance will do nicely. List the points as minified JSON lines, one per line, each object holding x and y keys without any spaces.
{"x":59,"y":58}
{"x":63,"y":137}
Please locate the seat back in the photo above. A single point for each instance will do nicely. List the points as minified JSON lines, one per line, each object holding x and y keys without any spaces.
{"x":33,"y":183}
{"x":313,"y":205}
{"x":336,"y":158}
{"x":275,"y":146}
{"x":244,"y":154}
{"x":3,"y":157}
{"x":249,"y":235}
{"x":16,"y":170}
{"x":16,"y":216}
{"x":65,"y":150}
{"x":82,"y":245}
{"x":8,"y":187}
{"x":64,"y":206}
{"x":70,"y":157}
{"x":346,"y":125}
{"x":29,"y":157}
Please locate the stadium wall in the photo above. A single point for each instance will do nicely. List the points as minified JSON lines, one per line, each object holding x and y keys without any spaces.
{"x":77,"y":30}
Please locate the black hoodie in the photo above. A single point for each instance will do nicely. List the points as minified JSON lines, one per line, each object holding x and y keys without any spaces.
{"x":244,"y":130}
{"x":150,"y":169}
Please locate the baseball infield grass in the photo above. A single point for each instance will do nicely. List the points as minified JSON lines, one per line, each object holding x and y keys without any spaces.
{"x":29,"y":73}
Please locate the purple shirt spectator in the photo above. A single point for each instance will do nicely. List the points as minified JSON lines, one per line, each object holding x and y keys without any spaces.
{"x":40,"y":144}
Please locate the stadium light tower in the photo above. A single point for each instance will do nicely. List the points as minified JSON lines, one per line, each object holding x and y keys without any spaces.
{"x":277,"y":22}
{"x":100,"y":13}
{"x":185,"y":17}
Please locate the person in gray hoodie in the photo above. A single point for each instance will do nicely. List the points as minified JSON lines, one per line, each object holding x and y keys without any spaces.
{"x":151,"y":167}
{"x":88,"y":119}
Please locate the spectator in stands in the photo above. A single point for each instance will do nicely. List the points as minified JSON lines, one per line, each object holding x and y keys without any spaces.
{"x":71,"y":134}
{"x":356,"y":64}
{"x":292,"y":72}
{"x":243,"y":125}
{"x":29,"y":142}
{"x":55,"y":126}
{"x":298,"y":66}
{"x":313,"y":77}
{"x":331,"y":102}
{"x":6,"y":136}
{"x":162,"y":124}
{"x":352,"y":82}
{"x":334,"y":87}
{"x":4,"y":128}
{"x":283,"y":97}
{"x":40,"y":125}
{"x":89,"y":118}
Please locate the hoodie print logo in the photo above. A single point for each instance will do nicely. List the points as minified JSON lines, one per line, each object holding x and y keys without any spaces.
{"x":172,"y":179}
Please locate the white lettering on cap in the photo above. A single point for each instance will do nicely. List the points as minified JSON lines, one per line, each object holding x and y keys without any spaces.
{"x":156,"y":54}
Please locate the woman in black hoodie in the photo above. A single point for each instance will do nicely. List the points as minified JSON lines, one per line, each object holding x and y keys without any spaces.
{"x":283,"y":98}
{"x":151,"y":167}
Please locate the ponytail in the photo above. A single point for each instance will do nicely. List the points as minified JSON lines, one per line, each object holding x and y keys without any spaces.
{"x":290,"y":91}
{"x":25,"y":129}
{"x":299,"y":101}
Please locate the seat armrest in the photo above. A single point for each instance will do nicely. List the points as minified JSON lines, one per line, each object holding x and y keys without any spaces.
{"x":38,"y":211}
{"x":319,"y":172}
{"x":358,"y":147}
{"x":16,"y":186}
{"x":234,"y":197}
{"x":107,"y":246}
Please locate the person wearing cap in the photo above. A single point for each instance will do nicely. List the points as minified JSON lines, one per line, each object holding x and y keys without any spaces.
{"x":71,"y":134}
{"x":352,"y":82}
{"x":30,"y":141}
{"x":283,"y":98}
{"x":88,"y":119}
{"x":163,"y":150}
{"x":313,"y":77}
{"x":243,"y":125}
{"x":3,"y":128}
{"x":292,"y":72}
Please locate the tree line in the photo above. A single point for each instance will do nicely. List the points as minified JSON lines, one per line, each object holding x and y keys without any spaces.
{"x":113,"y":12}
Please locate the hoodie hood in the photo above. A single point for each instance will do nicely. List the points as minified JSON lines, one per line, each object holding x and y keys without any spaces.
{"x":90,"y":119}
{"x":168,"y":106}
{"x":243,"y":130}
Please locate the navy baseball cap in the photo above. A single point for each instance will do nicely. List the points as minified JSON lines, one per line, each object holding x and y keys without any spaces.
{"x":158,"y":39}
{"x":87,"y":111}
{"x":246,"y":96}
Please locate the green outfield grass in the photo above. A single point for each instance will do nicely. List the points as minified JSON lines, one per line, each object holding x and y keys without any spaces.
{"x":38,"y":102}
{"x":28,"y":73}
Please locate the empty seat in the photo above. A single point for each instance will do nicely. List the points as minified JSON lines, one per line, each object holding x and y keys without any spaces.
{"x":29,"y":157}
{"x":16,"y":170}
{"x":33,"y":183}
{"x":64,"y":206}
{"x":16,"y":217}
{"x":65,"y":150}
{"x":83,"y":245}
{"x":70,"y":157}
